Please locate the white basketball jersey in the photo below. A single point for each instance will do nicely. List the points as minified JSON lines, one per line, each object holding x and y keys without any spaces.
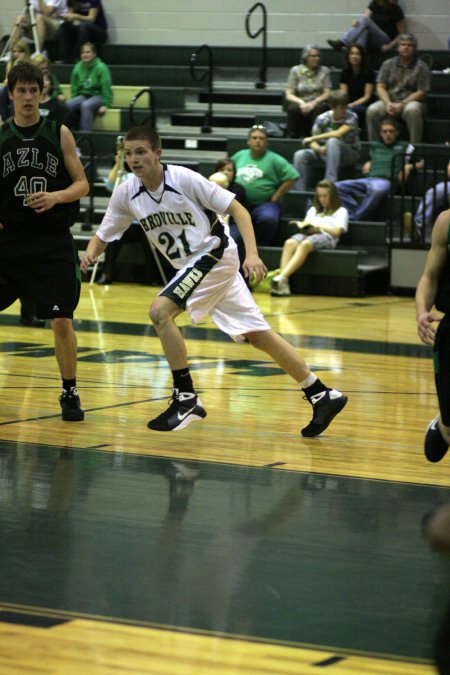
{"x":180,"y":218}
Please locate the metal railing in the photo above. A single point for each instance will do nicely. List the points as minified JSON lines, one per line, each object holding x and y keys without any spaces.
{"x":420,"y":198}
{"x":209,"y":73}
{"x":261,"y":84}
{"x":151,"y":117}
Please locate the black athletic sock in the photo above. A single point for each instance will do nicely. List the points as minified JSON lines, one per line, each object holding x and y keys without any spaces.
{"x":67,"y":385}
{"x":182,"y":380}
{"x":315,"y":388}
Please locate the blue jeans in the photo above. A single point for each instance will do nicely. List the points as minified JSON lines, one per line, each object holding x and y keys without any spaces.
{"x":366,"y":33}
{"x":87,"y":107}
{"x":72,"y":36}
{"x":338,"y":154}
{"x":266,"y":221}
{"x":362,"y":196}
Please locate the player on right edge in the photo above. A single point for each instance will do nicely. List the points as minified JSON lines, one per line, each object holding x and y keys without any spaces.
{"x":177,"y":209}
{"x":434,"y":289}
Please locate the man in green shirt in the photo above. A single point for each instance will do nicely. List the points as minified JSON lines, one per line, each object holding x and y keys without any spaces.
{"x":362,"y":196}
{"x":266,"y":176}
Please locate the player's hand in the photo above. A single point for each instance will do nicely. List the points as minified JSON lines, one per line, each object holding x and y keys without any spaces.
{"x":425,"y":327}
{"x":41,"y":201}
{"x":87,"y":260}
{"x":253,"y":265}
{"x":1,"y":226}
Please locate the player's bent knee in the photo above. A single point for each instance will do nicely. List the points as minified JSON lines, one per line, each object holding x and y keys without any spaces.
{"x":162,"y":311}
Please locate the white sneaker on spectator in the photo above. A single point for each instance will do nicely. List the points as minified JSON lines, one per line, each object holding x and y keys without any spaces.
{"x":280,"y":286}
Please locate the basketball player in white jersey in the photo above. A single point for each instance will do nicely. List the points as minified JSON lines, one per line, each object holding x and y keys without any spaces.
{"x":177,"y":209}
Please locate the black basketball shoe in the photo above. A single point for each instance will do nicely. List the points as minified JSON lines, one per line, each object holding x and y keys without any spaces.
{"x":184,"y":408}
{"x":326,"y":405}
{"x":70,"y":406}
{"x":435,"y":445}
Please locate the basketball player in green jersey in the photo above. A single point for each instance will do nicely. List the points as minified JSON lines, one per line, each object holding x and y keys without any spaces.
{"x":41,"y":181}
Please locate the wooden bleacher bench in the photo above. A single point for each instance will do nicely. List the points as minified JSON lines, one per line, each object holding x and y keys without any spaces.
{"x":122,"y":96}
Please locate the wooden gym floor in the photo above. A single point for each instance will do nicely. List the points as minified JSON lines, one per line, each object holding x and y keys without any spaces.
{"x":234,"y":546}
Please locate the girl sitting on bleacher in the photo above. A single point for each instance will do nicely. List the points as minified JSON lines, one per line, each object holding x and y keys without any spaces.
{"x":324,"y":223}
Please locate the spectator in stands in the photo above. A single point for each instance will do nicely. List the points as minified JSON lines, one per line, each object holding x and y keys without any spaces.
{"x":357,"y":81}
{"x":84,"y":22}
{"x":266,"y":177}
{"x":43,"y":62}
{"x":362,"y":196}
{"x":378,"y":29}
{"x":91,"y":87}
{"x":436,"y":200}
{"x":228,"y":167}
{"x":306,"y":93}
{"x":402,"y":86}
{"x":324,"y":223}
{"x":119,"y":173}
{"x":48,"y":17}
{"x":20,"y":51}
{"x":50,"y":107}
{"x":334,"y":141}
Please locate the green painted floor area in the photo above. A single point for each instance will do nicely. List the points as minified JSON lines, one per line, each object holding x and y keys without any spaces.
{"x":304,"y":558}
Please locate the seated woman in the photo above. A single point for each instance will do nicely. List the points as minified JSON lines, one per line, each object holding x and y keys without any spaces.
{"x":20,"y":51}
{"x":228,"y":167}
{"x":324,"y":223}
{"x":307,"y":91}
{"x":43,"y":62}
{"x":84,"y":22}
{"x":358,"y":81}
{"x":378,"y":29}
{"x":49,"y":106}
{"x":91,"y":87}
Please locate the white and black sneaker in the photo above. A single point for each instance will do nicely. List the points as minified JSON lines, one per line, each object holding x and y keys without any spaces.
{"x":184,"y":408}
{"x":71,"y":410}
{"x":435,"y":444}
{"x":326,"y":405}
{"x":280,"y":286}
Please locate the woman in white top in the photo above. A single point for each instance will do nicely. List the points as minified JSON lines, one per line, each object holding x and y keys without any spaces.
{"x":324,"y":223}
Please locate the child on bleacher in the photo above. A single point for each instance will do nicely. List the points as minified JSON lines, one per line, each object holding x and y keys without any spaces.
{"x":20,"y":51}
{"x":324,"y":223}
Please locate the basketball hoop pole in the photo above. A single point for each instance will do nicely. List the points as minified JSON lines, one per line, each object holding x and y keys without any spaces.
{"x":28,"y":11}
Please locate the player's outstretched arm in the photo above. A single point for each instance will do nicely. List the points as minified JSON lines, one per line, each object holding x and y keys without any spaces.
{"x":94,"y":249}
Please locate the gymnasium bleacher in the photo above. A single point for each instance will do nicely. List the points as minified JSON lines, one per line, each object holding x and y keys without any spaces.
{"x":180,"y":106}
